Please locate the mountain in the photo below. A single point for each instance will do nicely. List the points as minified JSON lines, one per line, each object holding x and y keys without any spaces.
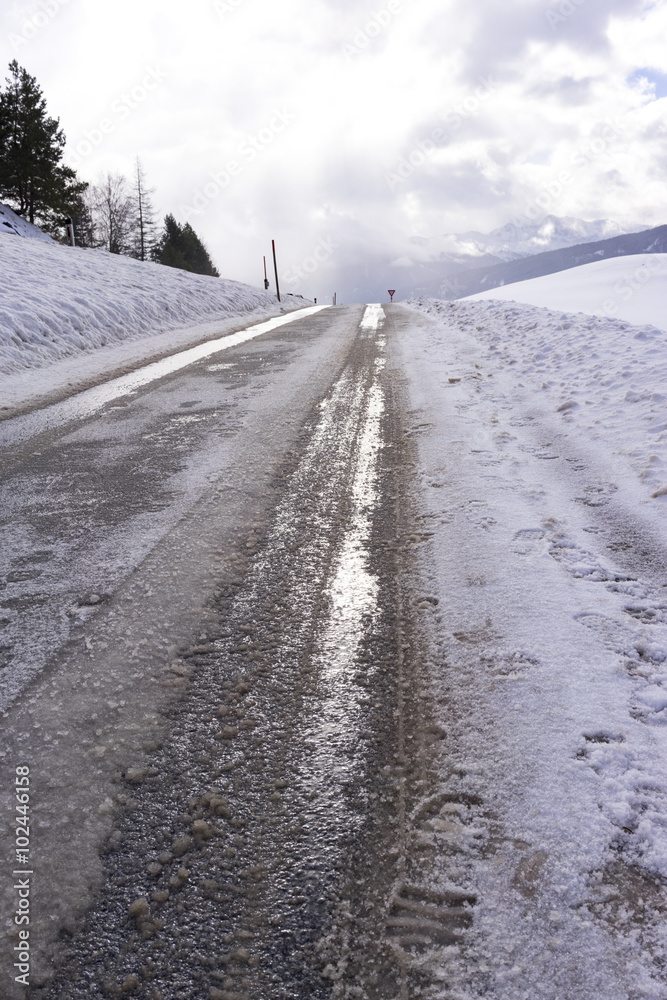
{"x":512,"y":241}
{"x":480,"y":279}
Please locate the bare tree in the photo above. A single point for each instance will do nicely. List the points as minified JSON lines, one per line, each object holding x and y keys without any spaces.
{"x":145,"y":229}
{"x":113,"y":213}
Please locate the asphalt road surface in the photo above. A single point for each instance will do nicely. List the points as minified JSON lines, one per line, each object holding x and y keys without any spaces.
{"x":211,"y":668}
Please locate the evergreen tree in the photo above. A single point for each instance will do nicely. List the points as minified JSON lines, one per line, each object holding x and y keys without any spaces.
{"x":82,"y":215}
{"x":179,"y":246}
{"x":171,"y":257}
{"x":33,"y":178}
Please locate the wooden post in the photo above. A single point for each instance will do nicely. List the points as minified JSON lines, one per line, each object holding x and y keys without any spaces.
{"x":275,"y":268}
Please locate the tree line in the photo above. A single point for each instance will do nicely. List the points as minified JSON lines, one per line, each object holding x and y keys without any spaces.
{"x":115,"y":214}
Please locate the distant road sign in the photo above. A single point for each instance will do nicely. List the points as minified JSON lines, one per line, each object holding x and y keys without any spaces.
{"x":392,"y":292}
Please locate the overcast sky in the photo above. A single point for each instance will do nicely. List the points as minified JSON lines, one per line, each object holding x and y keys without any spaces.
{"x":344,"y":128}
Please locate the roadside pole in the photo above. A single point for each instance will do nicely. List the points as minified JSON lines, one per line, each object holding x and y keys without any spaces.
{"x":266,"y":280}
{"x":275,"y":268}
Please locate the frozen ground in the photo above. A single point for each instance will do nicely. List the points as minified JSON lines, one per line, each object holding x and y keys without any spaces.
{"x":631,"y":288}
{"x":601,"y":380}
{"x":541,"y":444}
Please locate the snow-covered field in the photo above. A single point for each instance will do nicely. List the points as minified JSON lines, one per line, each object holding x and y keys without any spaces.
{"x":601,"y":380}
{"x":69,"y":316}
{"x":632,"y":288}
{"x":542,"y":450}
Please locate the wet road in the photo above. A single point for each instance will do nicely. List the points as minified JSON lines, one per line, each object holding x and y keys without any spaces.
{"x":329,"y":657}
{"x":222,"y":665}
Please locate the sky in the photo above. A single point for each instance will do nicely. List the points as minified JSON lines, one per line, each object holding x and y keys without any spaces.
{"x":356,"y":134}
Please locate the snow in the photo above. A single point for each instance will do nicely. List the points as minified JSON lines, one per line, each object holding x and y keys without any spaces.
{"x":78,"y":301}
{"x":632,"y":288}
{"x":541,"y":446}
{"x":11,"y":223}
{"x":603,"y":380}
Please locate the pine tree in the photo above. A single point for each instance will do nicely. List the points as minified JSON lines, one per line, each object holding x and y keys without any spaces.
{"x":82,"y":215}
{"x":144,"y":217}
{"x":179,"y":246}
{"x":33,"y":178}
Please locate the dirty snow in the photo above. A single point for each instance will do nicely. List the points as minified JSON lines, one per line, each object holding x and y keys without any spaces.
{"x":600,"y":379}
{"x":541,"y":447}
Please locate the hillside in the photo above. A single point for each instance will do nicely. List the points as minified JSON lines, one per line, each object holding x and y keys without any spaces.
{"x":469,"y":282}
{"x":12,"y":224}
{"x":632,"y":288}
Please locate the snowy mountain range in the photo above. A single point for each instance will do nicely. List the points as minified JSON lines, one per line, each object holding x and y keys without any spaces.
{"x":479,"y":279}
{"x":513,"y":241}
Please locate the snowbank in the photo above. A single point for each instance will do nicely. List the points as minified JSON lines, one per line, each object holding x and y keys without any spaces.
{"x":633,"y":288}
{"x":541,"y":444}
{"x":604,"y":377}
{"x":13,"y":224}
{"x":58,"y":301}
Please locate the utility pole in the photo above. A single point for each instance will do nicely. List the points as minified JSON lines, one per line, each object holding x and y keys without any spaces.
{"x":266,"y":280}
{"x":275,"y":268}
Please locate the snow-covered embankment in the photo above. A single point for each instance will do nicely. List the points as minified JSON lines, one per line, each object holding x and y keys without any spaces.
{"x":69,"y":316}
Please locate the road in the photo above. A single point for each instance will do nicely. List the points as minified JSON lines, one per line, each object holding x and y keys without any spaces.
{"x":211,"y":669}
{"x":319,"y":694}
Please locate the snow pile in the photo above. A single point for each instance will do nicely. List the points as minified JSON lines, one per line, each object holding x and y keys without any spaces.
{"x":58,"y":301}
{"x":532,"y":430}
{"x":13,"y":224}
{"x":633,"y":288}
{"x":603,"y":377}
